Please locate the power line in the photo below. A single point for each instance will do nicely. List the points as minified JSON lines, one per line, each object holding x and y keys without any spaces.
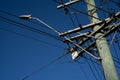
{"x":5,"y":12}
{"x":14,"y":15}
{"x":96,"y":70}
{"x":83,"y":70}
{"x":84,"y":13}
{"x":96,"y":6}
{"x":29,"y":28}
{"x":43,"y":67}
{"x":71,"y":19}
{"x":92,"y":70}
{"x":78,"y":10}
{"x":29,"y":37}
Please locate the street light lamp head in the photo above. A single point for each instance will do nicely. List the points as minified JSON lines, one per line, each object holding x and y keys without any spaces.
{"x":25,"y":17}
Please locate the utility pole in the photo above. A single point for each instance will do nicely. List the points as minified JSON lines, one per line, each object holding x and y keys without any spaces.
{"x":107,"y":62}
{"x":102,"y":46}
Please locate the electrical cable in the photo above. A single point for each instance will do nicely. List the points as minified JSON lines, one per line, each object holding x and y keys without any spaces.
{"x":29,"y":37}
{"x":94,"y":67}
{"x":29,"y":28}
{"x":92,"y":70}
{"x":96,"y":6}
{"x":101,"y":5}
{"x":96,"y":70}
{"x":83,"y":70}
{"x":5,"y":12}
{"x":116,"y":53}
{"x":11,"y":14}
{"x":71,"y":19}
{"x":84,"y":13}
{"x":90,"y":60}
{"x":116,"y":2}
{"x":113,"y":37}
{"x":43,"y":67}
{"x":78,"y":10}
{"x":118,"y":43}
{"x":77,"y":19}
{"x":114,"y":47}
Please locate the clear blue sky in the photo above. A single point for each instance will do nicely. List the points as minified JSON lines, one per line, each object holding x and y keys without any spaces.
{"x":23,"y":52}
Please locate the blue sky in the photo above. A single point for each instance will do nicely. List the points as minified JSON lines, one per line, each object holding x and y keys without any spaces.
{"x":24,"y":53}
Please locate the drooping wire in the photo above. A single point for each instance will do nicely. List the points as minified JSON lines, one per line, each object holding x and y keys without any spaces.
{"x":90,"y":60}
{"x":70,"y":16}
{"x":21,"y":25}
{"x":101,"y":6}
{"x":92,"y":70}
{"x":96,"y":6}
{"x":118,"y":43}
{"x":116,"y":53}
{"x":96,"y":70}
{"x":82,"y":70}
{"x":82,"y":12}
{"x":43,"y":67}
{"x":29,"y":37}
{"x":75,"y":14}
{"x":71,"y":19}
{"x":85,"y":13}
{"x":113,"y":38}
{"x":5,"y":12}
{"x":116,"y":2}
{"x":11,"y":14}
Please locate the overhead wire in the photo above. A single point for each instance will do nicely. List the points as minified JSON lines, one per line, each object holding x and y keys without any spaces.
{"x":79,"y":24}
{"x":21,"y":25}
{"x":116,"y":53}
{"x":96,"y":70}
{"x":92,"y":70}
{"x":5,"y":12}
{"x":16,"y":16}
{"x":71,"y":19}
{"x":82,"y":12}
{"x":43,"y":67}
{"x":118,"y":43}
{"x":96,"y":6}
{"x":113,"y":38}
{"x":116,"y":2}
{"x":95,"y":63}
{"x":29,"y":37}
{"x":93,"y":66}
{"x":85,"y":74}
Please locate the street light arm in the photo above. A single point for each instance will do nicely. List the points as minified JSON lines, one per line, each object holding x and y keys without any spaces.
{"x":29,"y":17}
{"x":46,"y":25}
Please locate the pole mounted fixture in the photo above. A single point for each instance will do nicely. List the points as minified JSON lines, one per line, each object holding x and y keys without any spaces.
{"x":29,"y":17}
{"x":25,"y":17}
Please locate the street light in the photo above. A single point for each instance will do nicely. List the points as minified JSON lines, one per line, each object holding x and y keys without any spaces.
{"x":29,"y":17}
{"x":25,"y":17}
{"x":75,"y":54}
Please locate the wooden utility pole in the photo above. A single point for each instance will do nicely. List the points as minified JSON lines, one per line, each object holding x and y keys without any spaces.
{"x":102,"y":46}
{"x":107,"y":62}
